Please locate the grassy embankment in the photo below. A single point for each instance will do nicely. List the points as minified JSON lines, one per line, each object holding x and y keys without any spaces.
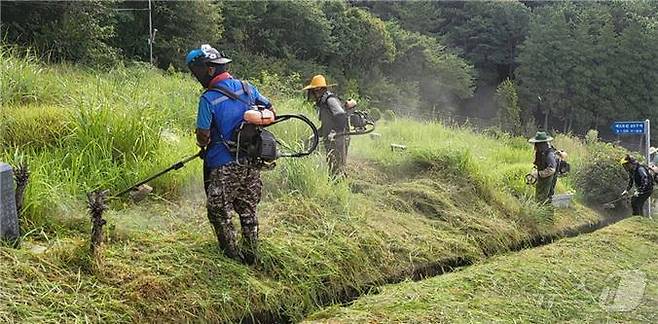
{"x":610,"y":275}
{"x":452,"y":195}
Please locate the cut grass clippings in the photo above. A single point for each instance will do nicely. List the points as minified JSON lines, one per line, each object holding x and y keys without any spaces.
{"x":607,"y":276}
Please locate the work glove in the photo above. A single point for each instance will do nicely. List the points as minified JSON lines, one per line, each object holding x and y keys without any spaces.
{"x":623,"y":194}
{"x":332,"y":135}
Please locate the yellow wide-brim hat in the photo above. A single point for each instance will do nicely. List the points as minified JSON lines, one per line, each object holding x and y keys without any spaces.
{"x":626,"y":159}
{"x":318,"y":81}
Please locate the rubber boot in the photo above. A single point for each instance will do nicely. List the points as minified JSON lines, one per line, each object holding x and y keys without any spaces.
{"x":250,"y":251}
{"x":226,"y":238}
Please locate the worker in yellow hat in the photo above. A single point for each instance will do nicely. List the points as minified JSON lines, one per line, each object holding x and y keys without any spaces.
{"x":639,"y":176}
{"x":333,"y":117}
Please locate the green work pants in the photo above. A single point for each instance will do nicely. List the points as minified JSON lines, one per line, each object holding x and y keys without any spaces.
{"x":545,"y":188}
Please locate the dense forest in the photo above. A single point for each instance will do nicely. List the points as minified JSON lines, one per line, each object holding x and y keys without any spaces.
{"x":568,"y":66}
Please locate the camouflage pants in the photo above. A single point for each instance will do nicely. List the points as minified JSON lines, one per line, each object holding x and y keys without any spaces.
{"x":234,"y":188}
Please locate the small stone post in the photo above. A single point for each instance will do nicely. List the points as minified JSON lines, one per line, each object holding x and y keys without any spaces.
{"x":9,"y":229}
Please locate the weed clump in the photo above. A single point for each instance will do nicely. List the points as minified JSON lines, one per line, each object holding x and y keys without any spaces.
{"x":35,"y":127}
{"x":601,"y":179}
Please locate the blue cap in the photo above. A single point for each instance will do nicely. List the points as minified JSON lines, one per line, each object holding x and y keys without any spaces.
{"x":206,"y":54}
{"x":193,"y":55}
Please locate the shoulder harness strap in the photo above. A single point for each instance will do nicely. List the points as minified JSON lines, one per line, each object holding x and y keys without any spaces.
{"x":228,"y":94}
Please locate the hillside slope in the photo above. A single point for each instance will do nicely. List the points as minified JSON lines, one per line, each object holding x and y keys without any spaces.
{"x":453,"y":195}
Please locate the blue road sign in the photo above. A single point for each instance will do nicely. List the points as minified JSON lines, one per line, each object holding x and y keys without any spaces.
{"x":628,"y":127}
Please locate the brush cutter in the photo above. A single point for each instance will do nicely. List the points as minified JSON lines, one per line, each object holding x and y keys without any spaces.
{"x":361,"y":124}
{"x":256,"y":146}
{"x":532,"y":177}
{"x":611,"y":204}
{"x":141,"y":189}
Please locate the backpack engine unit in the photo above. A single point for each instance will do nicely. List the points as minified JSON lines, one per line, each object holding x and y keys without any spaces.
{"x":254,"y":145}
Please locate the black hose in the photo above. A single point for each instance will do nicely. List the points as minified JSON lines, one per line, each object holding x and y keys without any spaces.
{"x":281,"y":118}
{"x":363,"y":132}
{"x":316,"y":136}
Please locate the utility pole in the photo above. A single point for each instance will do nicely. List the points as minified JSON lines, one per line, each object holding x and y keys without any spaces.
{"x":150,"y":34}
{"x":152,"y":31}
{"x":545,"y":113}
{"x":647,"y":142}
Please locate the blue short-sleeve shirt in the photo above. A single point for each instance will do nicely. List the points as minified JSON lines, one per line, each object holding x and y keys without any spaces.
{"x":222,"y":116}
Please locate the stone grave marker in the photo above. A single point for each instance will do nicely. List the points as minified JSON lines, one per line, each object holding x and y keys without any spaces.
{"x":9,"y":230}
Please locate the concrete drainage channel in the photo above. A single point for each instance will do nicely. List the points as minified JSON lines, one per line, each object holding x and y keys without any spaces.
{"x":429,"y":270}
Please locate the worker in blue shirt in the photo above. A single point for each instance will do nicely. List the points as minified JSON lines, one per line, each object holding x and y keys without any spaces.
{"x":231,"y":184}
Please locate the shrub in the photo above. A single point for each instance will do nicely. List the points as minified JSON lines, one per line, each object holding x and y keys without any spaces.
{"x":509,"y":112}
{"x":592,"y":136}
{"x":278,"y":86}
{"x":601,"y":179}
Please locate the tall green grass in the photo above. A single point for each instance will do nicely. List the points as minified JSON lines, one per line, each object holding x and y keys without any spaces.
{"x":80,"y":131}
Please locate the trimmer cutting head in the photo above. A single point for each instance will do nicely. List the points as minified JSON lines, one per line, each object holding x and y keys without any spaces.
{"x":613,"y":204}
{"x":140,"y":193}
{"x":609,"y":205}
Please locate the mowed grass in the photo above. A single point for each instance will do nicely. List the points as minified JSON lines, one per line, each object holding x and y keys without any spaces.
{"x":607,"y":276}
{"x":452,"y":194}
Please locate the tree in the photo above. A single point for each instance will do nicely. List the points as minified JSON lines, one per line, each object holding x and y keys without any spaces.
{"x":282,"y":29}
{"x":440,"y":75}
{"x":364,"y":42}
{"x":545,"y":59}
{"x":590,"y":65}
{"x":488,"y":33}
{"x":509,"y":112}
{"x":418,"y":16}
{"x":76,"y":31}
{"x":183,"y":26}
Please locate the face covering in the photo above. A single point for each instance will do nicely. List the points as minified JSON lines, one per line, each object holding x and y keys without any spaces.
{"x":200,"y":72}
